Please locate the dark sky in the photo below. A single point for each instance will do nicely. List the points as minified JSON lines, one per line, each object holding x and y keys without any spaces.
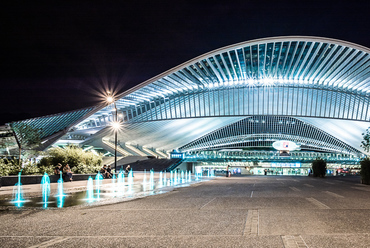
{"x":57,"y":56}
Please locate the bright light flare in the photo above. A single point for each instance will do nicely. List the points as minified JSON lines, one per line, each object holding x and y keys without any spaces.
{"x":110,"y":99}
{"x":116,"y":125}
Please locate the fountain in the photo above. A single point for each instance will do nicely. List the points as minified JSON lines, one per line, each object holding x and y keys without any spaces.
{"x":175,"y":178}
{"x":18,"y":193}
{"x":171,"y":178}
{"x":114,"y":185}
{"x":189,"y":176}
{"x":121,"y":183}
{"x":98,"y":182}
{"x":60,"y":195}
{"x":90,"y":190}
{"x":182,"y":177}
{"x":144,"y":181}
{"x":165,"y":179}
{"x":151,"y":180}
{"x":45,"y":186}
{"x":130,"y":182}
{"x":160,"y":184}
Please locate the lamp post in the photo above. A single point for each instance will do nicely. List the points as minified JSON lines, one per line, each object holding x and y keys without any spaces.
{"x":115,"y":125}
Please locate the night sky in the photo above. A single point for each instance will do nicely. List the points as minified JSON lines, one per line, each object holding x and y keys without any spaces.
{"x":60,"y":56}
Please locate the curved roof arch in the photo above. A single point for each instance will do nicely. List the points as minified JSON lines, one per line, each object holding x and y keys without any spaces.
{"x":264,"y":130}
{"x":293,"y":76}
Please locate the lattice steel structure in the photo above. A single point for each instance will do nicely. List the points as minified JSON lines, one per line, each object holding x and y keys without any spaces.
{"x":262,"y":131}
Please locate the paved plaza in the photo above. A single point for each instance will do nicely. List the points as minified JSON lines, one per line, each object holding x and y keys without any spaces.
{"x":255,"y":211}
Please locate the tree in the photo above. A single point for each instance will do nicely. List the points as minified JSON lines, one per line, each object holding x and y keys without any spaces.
{"x":365,"y":170}
{"x":319,"y":167}
{"x":365,"y":162}
{"x":365,"y":143}
{"x":27,"y":137}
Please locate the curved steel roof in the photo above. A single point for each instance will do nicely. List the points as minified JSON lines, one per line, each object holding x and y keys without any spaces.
{"x":316,"y":77}
{"x":296,"y":76}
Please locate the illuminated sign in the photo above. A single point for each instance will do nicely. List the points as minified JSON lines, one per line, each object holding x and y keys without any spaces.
{"x":286,"y":165}
{"x":285,"y":145}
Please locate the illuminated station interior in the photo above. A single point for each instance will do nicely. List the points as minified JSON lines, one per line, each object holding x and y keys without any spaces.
{"x":263,"y":107}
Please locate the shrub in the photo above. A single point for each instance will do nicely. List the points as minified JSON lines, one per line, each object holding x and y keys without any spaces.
{"x":46,"y":169}
{"x":14,"y":167}
{"x":319,"y":167}
{"x":30,"y":169}
{"x":79,"y":160}
{"x":4,"y":168}
{"x":85,"y":169}
{"x":365,"y":170}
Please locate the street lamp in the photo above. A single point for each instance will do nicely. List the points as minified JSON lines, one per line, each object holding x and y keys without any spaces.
{"x":116,"y":126}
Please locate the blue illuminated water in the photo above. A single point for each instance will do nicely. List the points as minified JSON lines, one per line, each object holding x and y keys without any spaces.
{"x":151,"y":180}
{"x":98,"y":183}
{"x":18,"y":199}
{"x":130,"y":182}
{"x":90,"y":190}
{"x":99,"y":193}
{"x":160,"y":183}
{"x":45,"y":188}
{"x":144,"y":181}
{"x":121,"y":184}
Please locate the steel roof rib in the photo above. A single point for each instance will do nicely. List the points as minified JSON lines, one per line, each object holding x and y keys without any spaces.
{"x":344,"y":60}
{"x":318,"y":62}
{"x":188,"y":79}
{"x":312,"y":59}
{"x":324,"y":64}
{"x":232,"y":65}
{"x":209,"y":71}
{"x":307,"y":55}
{"x":358,"y":70}
{"x":347,"y":68}
{"x":242,"y":73}
{"x":216,"y":72}
{"x":292,"y":75}
{"x":285,"y":59}
{"x":204,"y":78}
{"x":291,"y":60}
{"x":328,"y":73}
{"x":169,"y":87}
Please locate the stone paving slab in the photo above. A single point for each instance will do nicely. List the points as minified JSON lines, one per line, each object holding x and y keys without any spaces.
{"x":221,"y":241}
{"x":258,"y":203}
{"x":225,"y":212}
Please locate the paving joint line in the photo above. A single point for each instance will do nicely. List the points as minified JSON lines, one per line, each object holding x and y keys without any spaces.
{"x":50,"y":242}
{"x":252,"y":223}
{"x":333,"y":194}
{"x":293,"y":241}
{"x":295,"y":189}
{"x":317,"y":203}
{"x":207,"y":203}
